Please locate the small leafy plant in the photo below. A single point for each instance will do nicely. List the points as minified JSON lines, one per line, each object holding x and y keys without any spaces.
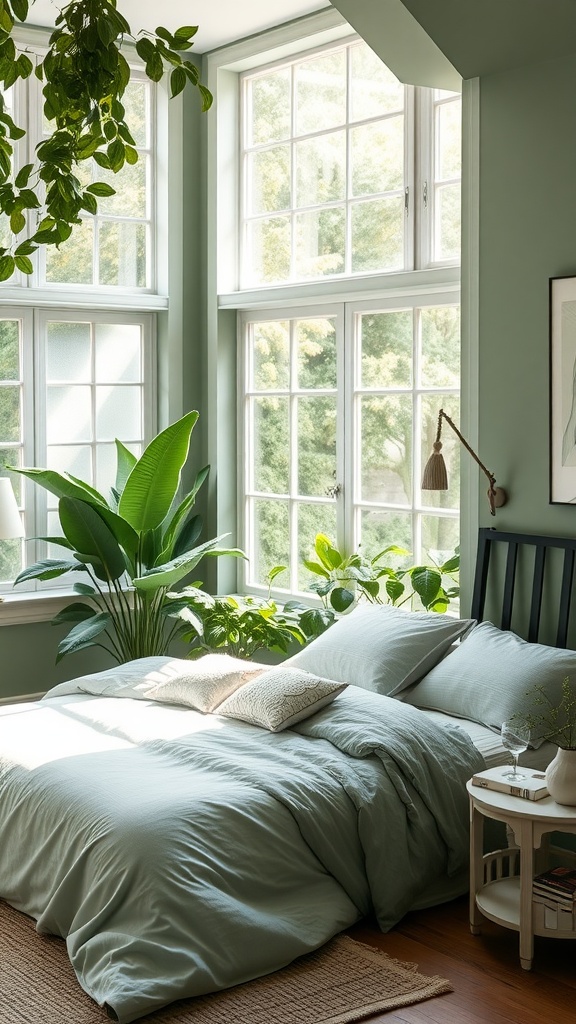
{"x":555,"y":722}
{"x":339,"y":579}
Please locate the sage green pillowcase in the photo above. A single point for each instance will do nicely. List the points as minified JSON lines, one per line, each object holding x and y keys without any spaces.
{"x":490,"y":676}
{"x":380,"y":647}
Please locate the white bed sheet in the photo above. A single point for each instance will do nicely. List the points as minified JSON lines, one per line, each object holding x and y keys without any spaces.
{"x":490,"y":746}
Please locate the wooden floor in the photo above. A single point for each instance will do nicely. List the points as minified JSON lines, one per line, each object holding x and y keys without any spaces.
{"x":490,"y":987}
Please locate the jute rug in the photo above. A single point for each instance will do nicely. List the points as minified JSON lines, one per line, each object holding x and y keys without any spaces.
{"x":341,"y":982}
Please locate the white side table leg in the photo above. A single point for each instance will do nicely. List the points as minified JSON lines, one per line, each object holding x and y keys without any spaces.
{"x":476,"y":866}
{"x":526,"y":836}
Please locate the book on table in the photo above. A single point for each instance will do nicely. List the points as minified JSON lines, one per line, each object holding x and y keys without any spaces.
{"x":558,"y":885}
{"x":531,"y":787}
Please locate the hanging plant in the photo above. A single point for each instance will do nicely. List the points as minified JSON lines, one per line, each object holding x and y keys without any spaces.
{"x":85,"y":75}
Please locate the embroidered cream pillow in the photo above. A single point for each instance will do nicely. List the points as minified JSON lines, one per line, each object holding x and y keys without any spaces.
{"x":205,"y":683}
{"x":279,"y":698}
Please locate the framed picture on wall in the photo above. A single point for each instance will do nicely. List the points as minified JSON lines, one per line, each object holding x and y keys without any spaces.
{"x":563,"y":390}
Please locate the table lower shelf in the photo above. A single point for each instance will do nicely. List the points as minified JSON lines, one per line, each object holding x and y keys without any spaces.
{"x":499,"y":901}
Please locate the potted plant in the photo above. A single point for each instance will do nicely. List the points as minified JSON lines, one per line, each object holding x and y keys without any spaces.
{"x":556,"y":722}
{"x":340,"y":579}
{"x":133,"y":547}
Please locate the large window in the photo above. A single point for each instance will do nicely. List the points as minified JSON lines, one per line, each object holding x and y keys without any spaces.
{"x":348,"y":175}
{"x":77,"y":336}
{"x":70,"y":383}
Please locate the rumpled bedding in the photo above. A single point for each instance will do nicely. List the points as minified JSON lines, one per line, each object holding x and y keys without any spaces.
{"x":180,"y":853}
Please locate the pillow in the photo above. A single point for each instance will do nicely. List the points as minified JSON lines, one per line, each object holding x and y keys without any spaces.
{"x":381,"y":648}
{"x":279,"y":698}
{"x":489,"y":677}
{"x":205,"y":683}
{"x":131,"y":679}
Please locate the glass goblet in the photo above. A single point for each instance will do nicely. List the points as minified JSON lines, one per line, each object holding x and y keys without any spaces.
{"x":515,"y":737}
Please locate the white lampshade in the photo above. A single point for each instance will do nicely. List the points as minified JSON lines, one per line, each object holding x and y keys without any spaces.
{"x":10,"y":519}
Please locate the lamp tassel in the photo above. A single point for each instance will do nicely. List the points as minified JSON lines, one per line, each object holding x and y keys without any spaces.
{"x":435,"y":477}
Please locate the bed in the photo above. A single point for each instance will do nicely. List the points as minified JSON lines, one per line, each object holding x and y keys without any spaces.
{"x":188,"y":826}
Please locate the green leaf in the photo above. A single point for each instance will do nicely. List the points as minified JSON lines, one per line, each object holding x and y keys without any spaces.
{"x":207,"y":97}
{"x":184,"y":33}
{"x":84,"y":634}
{"x":318,"y":570}
{"x":155,"y":67}
{"x":394,"y":589}
{"x":20,"y":8}
{"x":177,"y":81}
{"x":47,"y":569}
{"x":125,"y":462}
{"x":62,"y":485}
{"x":116,"y":155}
{"x":426,"y":582}
{"x":341,"y":599}
{"x":131,"y":155}
{"x":452,"y":565}
{"x":90,"y":535}
{"x":21,"y":179}
{"x":153,"y":483}
{"x":17,"y":222}
{"x":101,"y":188}
{"x":145,"y":48}
{"x":189,"y":536}
{"x":175,"y":570}
{"x":23,"y":264}
{"x":86,"y":589}
{"x":75,"y":612}
{"x":7,"y":267}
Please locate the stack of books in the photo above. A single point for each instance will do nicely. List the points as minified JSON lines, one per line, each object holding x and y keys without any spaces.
{"x":556,"y":890}
{"x":532,"y":786}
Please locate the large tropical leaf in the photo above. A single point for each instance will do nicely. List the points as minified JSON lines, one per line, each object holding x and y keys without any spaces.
{"x":75,"y":612}
{"x":125,"y":462}
{"x":172,"y":543}
{"x":172,"y":572}
{"x":153,"y":483}
{"x":84,"y":634}
{"x":48,"y":569}
{"x":92,"y":538}
{"x":62,"y":485}
{"x":189,"y":536}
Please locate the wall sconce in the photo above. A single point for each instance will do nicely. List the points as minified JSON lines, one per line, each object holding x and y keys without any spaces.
{"x":435,"y":477}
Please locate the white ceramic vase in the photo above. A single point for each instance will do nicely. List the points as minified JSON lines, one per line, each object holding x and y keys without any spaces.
{"x":561,"y":777}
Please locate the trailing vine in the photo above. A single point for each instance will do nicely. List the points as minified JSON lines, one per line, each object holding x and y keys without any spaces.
{"x":84,"y":75}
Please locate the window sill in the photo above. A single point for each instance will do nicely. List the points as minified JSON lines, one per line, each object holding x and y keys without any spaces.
{"x":17,"y":610}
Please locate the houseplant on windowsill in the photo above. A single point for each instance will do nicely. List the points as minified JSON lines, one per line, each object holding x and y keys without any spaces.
{"x":557,"y":724}
{"x":134,"y":548}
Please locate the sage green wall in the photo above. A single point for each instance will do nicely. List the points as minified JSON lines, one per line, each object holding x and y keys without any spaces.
{"x":527,"y":221}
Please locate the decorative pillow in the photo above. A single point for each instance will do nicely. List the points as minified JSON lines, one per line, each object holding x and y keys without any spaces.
{"x":279,"y":698}
{"x":489,"y":678}
{"x":205,"y":683}
{"x":381,"y":648}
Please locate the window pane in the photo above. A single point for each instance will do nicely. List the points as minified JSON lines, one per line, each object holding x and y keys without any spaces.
{"x":321,"y":92}
{"x":71,"y":458}
{"x":316,"y":445}
{"x":68,"y":414}
{"x":448,"y":222}
{"x":386,"y":449}
{"x":312,"y":519}
{"x":316,"y":340}
{"x":321,"y":169}
{"x":379,"y":530}
{"x":105,"y":467}
{"x":68,"y":352}
{"x":10,"y":428}
{"x":122,"y":255}
{"x":12,"y":457}
{"x":374,"y":90}
{"x":270,"y":361}
{"x":440,"y":360}
{"x":9,"y":349}
{"x":378,"y":235}
{"x":118,"y":352}
{"x":269,"y":107}
{"x":440,"y":538}
{"x":117,"y":406}
{"x":269,"y":180}
{"x":269,"y":244}
{"x":377,"y":154}
{"x":431,"y":405}
{"x":320,"y":241}
{"x":271,"y":433}
{"x":10,"y":559}
{"x":130,"y":190}
{"x":72,"y":262}
{"x":386,"y":349}
{"x":449,"y":140}
{"x":271,"y":537}
{"x":136,"y":100}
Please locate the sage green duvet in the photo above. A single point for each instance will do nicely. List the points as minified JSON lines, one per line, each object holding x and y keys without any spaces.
{"x":180,"y":853}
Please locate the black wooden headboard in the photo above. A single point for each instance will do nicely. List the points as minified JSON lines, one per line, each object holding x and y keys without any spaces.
{"x":525,"y":582}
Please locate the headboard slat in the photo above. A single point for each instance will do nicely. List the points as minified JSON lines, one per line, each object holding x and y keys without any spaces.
{"x":565,"y":598}
{"x":508,"y":601}
{"x":537,"y":586}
